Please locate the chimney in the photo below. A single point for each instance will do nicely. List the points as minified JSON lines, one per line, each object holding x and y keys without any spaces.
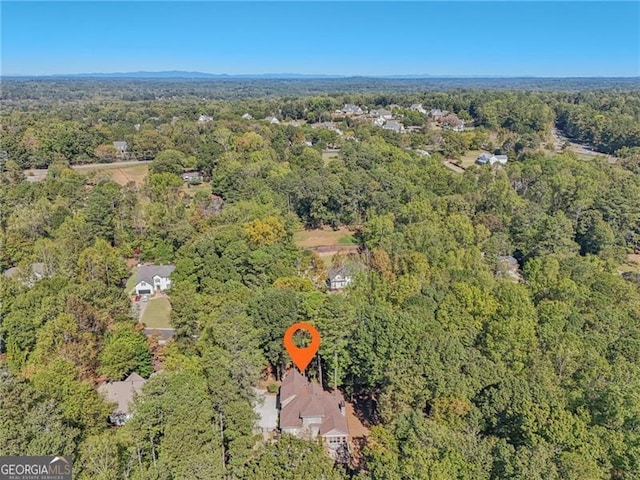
{"x":343,"y":409}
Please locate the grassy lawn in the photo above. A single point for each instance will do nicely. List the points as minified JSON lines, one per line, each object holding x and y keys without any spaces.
{"x":346,"y":240}
{"x":156,"y":313}
{"x":631,"y":265}
{"x":321,"y":237}
{"x":469,"y":158}
{"x":119,"y":174}
{"x":191,"y":190}
{"x":329,"y":156}
{"x":131,"y":282}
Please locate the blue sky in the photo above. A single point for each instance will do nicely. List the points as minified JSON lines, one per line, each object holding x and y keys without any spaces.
{"x":357,"y":38}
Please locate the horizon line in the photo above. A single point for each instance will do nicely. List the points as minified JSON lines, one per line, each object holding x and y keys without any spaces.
{"x":188,"y":74}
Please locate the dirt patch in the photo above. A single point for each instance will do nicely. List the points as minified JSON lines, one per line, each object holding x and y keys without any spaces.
{"x":631,"y":264}
{"x":356,"y":427}
{"x":358,"y":433}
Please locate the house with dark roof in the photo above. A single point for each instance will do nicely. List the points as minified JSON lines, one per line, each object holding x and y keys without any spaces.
{"x":308,"y":411}
{"x":153,"y":278}
{"x":122,"y":393}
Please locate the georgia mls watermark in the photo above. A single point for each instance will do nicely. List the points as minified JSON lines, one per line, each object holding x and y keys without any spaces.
{"x":35,"y":468}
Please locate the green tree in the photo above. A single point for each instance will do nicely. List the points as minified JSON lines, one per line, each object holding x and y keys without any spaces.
{"x":125,"y":351}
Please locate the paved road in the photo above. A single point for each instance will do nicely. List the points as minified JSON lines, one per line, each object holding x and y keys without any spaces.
{"x":39,"y":174}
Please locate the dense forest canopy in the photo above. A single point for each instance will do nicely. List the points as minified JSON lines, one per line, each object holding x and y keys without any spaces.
{"x":461,"y":370}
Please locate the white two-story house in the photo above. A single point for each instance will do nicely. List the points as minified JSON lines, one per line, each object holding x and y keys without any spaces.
{"x":153,"y":278}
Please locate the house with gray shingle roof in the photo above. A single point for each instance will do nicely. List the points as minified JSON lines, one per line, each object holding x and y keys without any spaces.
{"x":121,"y":148}
{"x":122,"y":393}
{"x":28,"y":275}
{"x":339,"y":277}
{"x":394,"y":125}
{"x":351,"y":109}
{"x":153,"y":278}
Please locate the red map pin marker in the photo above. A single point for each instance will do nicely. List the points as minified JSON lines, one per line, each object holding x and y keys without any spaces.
{"x":301,"y":356}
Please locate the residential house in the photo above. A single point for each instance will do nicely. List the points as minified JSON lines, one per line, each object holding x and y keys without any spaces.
{"x":247,"y":116}
{"x":122,"y":393}
{"x":487,"y":158}
{"x":451,"y":121}
{"x":329,"y":126}
{"x":153,"y":278}
{"x":394,"y":125}
{"x":205,"y":119}
{"x":307,"y":411}
{"x":350,"y":109}
{"x":122,"y":148}
{"x":339,"y":277}
{"x":192,"y":177}
{"x":438,"y":114}
{"x":417,"y":107}
{"x":272,"y":120}
{"x":509,"y":267}
{"x":34,"y":272}
{"x":382,"y":113}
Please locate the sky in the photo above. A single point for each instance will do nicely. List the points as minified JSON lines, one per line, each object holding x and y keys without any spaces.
{"x":506,"y":38}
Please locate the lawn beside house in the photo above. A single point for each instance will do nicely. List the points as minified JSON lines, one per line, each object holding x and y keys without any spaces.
{"x":157,"y":313}
{"x":131,"y":282}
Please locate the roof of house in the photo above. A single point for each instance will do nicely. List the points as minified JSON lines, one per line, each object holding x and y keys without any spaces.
{"x":162,"y":334}
{"x":37,"y":271}
{"x":342,"y":270}
{"x":380,"y":113}
{"x":509,"y":260}
{"x":122,"y":392}
{"x":308,"y":399}
{"x":393,"y":125}
{"x":191,"y":175}
{"x":147,"y":272}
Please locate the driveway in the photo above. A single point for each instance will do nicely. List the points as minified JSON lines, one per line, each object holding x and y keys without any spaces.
{"x":266,"y":409}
